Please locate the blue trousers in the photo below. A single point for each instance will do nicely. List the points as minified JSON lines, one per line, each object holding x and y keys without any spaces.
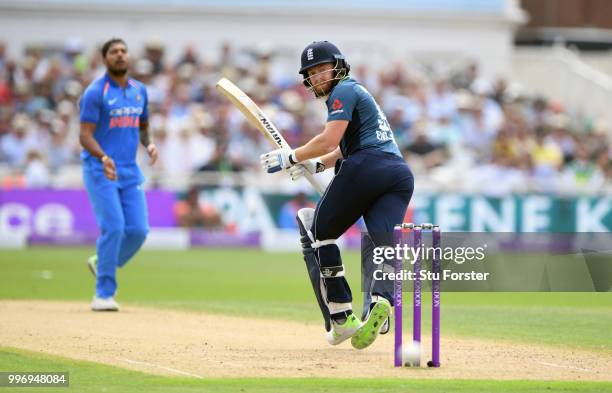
{"x":120,"y":208}
{"x":371,"y":184}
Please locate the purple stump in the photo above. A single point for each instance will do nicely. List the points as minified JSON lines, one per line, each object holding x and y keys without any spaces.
{"x":416,"y":298}
{"x":397,"y":294}
{"x":435,"y":301}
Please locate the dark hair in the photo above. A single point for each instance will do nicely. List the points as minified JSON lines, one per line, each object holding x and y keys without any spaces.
{"x":109,"y":43}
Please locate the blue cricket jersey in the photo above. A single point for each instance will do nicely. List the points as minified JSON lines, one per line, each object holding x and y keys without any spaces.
{"x":117,"y":113}
{"x":368,"y":127}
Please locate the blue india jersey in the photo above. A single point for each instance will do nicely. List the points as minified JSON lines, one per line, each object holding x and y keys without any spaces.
{"x":368,"y":127}
{"x":117,"y":113}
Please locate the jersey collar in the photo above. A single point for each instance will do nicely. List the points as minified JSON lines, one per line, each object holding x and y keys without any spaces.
{"x":130,"y":81}
{"x":346,"y":78}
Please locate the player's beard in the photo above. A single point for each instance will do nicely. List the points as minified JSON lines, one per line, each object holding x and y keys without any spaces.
{"x":322,"y":90}
{"x":117,"y":71}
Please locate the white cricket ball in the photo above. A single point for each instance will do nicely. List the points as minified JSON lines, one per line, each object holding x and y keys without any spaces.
{"x":412,"y":354}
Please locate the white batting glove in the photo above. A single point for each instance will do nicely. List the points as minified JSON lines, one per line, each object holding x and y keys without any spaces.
{"x":277,"y":160}
{"x":312,"y":166}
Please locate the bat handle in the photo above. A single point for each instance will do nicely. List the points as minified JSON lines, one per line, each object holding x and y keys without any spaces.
{"x":313,"y":182}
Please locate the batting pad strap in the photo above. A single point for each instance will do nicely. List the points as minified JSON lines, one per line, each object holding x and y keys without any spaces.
{"x":335,"y":308}
{"x":321,"y":243}
{"x":332,"y":271}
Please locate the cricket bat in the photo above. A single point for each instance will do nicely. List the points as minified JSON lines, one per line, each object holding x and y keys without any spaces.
{"x":258,"y":118}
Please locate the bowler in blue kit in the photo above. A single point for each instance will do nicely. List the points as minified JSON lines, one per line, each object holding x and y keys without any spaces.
{"x":371,"y":180}
{"x":114,"y":120}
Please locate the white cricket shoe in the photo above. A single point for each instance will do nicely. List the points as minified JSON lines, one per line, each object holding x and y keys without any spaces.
{"x":104,"y":304}
{"x":342,"y":332}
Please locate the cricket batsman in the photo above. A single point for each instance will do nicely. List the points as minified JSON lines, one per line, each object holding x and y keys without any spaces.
{"x":114,"y":118}
{"x":371,"y":180}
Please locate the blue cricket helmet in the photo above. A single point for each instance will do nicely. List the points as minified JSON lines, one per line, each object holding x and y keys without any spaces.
{"x":320,"y":52}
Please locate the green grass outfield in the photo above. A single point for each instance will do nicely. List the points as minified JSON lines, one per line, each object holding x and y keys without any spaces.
{"x":88,"y":377}
{"x":253,"y":283}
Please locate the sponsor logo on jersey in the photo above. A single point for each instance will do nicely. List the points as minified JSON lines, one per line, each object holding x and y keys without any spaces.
{"x":124,"y":122}
{"x":127,"y":116}
{"x":126,"y":111}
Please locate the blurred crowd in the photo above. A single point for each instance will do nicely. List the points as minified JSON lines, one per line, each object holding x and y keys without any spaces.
{"x":458,"y":130}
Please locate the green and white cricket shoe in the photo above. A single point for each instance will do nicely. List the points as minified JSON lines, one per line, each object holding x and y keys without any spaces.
{"x":92,"y":264}
{"x":385,"y":327}
{"x":342,"y":332}
{"x":366,"y":335}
